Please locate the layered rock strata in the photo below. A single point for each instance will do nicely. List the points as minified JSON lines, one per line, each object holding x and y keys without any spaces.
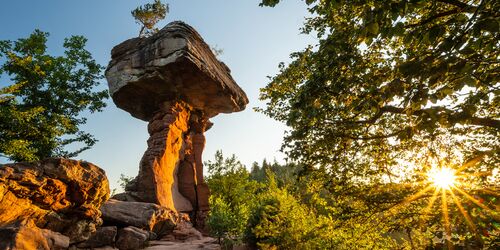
{"x":174,"y":81}
{"x":59,"y":195}
{"x":147,"y":216}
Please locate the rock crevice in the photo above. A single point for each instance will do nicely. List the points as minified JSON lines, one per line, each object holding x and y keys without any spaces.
{"x":174,"y":81}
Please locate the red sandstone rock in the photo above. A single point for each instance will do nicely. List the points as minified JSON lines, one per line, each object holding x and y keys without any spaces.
{"x":174,"y":81}
{"x":174,"y":63}
{"x":19,"y":237}
{"x":104,"y":236}
{"x":25,"y":235}
{"x":132,"y":238}
{"x":57,"y":194}
{"x":157,"y":181}
{"x":148,"y":216}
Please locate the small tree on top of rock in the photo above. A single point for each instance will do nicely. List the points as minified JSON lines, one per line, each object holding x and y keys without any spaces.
{"x":148,"y":15}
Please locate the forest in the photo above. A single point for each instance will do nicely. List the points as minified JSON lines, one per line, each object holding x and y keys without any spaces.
{"x":392,"y":122}
{"x":393,"y":140}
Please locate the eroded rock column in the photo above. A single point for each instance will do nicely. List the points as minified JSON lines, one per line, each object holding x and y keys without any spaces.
{"x":190,"y":175}
{"x":175,"y":82}
{"x":171,"y":170}
{"x":157,"y":180}
{"x":191,"y":182}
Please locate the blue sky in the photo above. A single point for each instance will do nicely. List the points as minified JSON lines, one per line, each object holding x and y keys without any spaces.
{"x":254,"y":40}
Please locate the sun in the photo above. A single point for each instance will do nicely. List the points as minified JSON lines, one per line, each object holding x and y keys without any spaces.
{"x":443,"y":178}
{"x":447,"y":182}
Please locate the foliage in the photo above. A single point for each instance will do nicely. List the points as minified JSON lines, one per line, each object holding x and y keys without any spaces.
{"x":40,"y":110}
{"x":278,"y":214}
{"x":228,"y":177}
{"x":216,"y":50}
{"x":232,"y":195}
{"x":390,"y":73}
{"x":148,"y":15}
{"x":124,"y":181}
{"x":391,"y":90}
{"x":286,"y":175}
{"x":278,"y":220}
{"x":224,"y":221}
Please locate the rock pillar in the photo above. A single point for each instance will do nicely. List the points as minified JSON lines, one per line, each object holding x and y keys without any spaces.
{"x":156,"y":182}
{"x":171,"y":170}
{"x":174,"y":81}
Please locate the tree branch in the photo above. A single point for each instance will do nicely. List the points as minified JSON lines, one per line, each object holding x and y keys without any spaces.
{"x":372,"y":137}
{"x":456,"y":3}
{"x":432,"y":18}
{"x":487,"y":122}
{"x":454,"y":117}
{"x":141,"y":33}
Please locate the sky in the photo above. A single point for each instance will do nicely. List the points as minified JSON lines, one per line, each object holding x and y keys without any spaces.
{"x":254,"y":41}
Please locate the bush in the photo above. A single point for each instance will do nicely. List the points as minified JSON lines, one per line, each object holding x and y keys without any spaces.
{"x":222,"y":222}
{"x":233,"y":192}
{"x":279,"y":220}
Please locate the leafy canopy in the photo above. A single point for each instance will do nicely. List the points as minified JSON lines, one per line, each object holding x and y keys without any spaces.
{"x":392,"y":89}
{"x":388,"y":78}
{"x":148,"y":15}
{"x":40,"y":110}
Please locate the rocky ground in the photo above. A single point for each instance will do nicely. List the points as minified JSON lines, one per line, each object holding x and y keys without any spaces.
{"x":204,"y":243}
{"x":64,"y":204}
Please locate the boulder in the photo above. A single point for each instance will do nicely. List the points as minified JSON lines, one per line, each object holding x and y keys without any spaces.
{"x":184,"y":231}
{"x":132,"y":238}
{"x":174,"y":62}
{"x":20,"y":236}
{"x":60,"y":195}
{"x":123,"y":197}
{"x":148,"y":216}
{"x":104,"y":236}
{"x":56,"y":241}
{"x":26,"y":235}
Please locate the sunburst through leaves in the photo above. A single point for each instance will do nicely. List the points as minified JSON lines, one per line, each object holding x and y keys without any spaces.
{"x":451,"y":185}
{"x":443,"y":178}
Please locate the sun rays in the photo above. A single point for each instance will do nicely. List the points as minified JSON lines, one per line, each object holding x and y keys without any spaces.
{"x":449,"y":183}
{"x":452,"y":186}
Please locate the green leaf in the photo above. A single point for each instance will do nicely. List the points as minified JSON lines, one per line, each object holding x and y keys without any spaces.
{"x":399,"y":29}
{"x":373,"y":28}
{"x":489,"y":24}
{"x":435,"y":32}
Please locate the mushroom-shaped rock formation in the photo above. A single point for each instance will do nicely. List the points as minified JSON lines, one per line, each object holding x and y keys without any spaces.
{"x":174,"y":81}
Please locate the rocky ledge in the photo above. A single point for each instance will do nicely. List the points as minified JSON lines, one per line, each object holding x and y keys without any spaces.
{"x":60,"y":195}
{"x":175,"y":63}
{"x":63,"y":204}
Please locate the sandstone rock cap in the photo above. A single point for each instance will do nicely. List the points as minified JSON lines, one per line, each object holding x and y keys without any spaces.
{"x":173,"y":64}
